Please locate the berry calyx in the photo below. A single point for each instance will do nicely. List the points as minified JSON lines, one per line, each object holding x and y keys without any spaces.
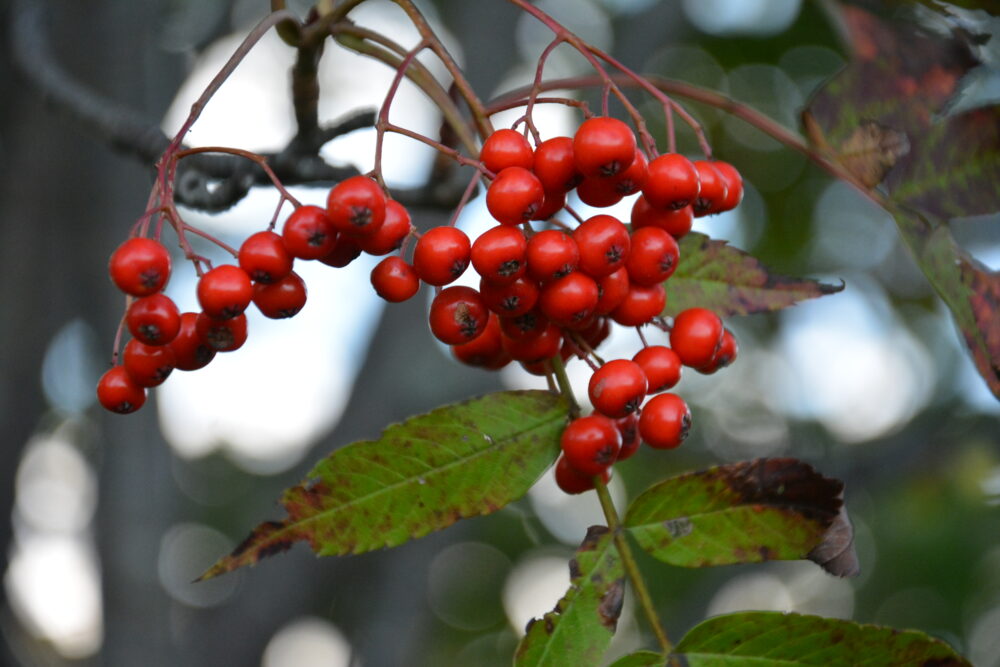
{"x":153,"y":319}
{"x":458,"y":315}
{"x":356,"y":206}
{"x":222,"y":335}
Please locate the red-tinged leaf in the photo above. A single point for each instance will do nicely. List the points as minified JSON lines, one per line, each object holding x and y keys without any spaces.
{"x":887,"y":116}
{"x":641,"y":659}
{"x":729,"y":281}
{"x":774,"y":639}
{"x":579,"y":629}
{"x":766,"y":509}
{"x":425,"y":474}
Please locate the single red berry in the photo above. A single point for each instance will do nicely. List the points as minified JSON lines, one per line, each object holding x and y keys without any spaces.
{"x":653,"y":256}
{"x":458,"y":315}
{"x":225,"y":291}
{"x":190,"y":351}
{"x":265,"y":257}
{"x":153,"y":319}
{"x":521,"y":327}
{"x":514,"y":196}
{"x":118,"y":392}
{"x":596,"y":333}
{"x":591,"y":444}
{"x":389,"y":236}
{"x":512,"y":299}
{"x":713,"y":190}
{"x":346,"y":249}
{"x":554,"y":165}
{"x":441,"y":255}
{"x":603,"y":146}
{"x":506,"y":148}
{"x":661,"y":365}
{"x":394,"y":280}
{"x":500,"y":254}
{"x":604,"y":244}
{"x":486,"y":351}
{"x":222,"y":335}
{"x":631,"y":180}
{"x":725,"y":355}
{"x":356,"y":206}
{"x":572,"y":481}
{"x":672,"y":182}
{"x":628,"y":427}
{"x":148,"y":365}
{"x":552,"y":254}
{"x":640,"y":305}
{"x":282,"y":299}
{"x":552,"y":203}
{"x":695,"y":336}
{"x":612,"y":290}
{"x":734,"y":185}
{"x":569,"y":300}
{"x":617,"y":388}
{"x":308,"y":233}
{"x":598,"y":192}
{"x":665,"y":421}
{"x":674,"y":221}
{"x":535,"y":348}
{"x":140,"y":266}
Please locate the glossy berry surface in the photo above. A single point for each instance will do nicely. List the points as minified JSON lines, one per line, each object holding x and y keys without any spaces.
{"x":628,"y":427}
{"x":570,"y":300}
{"x":500,"y":254}
{"x":308,"y":233}
{"x":653,"y":256}
{"x":514,"y":196}
{"x":603,"y":146}
{"x":190,"y":351}
{"x":675,"y":221}
{"x":356,"y":206}
{"x":119,"y":393}
{"x":225,"y":291}
{"x":140,"y":266}
{"x":148,"y":365}
{"x":734,"y":185}
{"x":458,"y":315}
{"x":265,"y":258}
{"x":282,"y":299}
{"x":153,"y":319}
{"x":389,"y":236}
{"x":617,"y":388}
{"x":665,"y":421}
{"x":661,"y":366}
{"x":554,"y":165}
{"x":222,"y":335}
{"x":572,"y":481}
{"x":604,"y":244}
{"x":552,"y":254}
{"x":486,"y":351}
{"x":695,"y":336}
{"x":441,"y":255}
{"x":506,"y":148}
{"x":640,"y":305}
{"x":509,"y":300}
{"x":394,"y":280}
{"x":724,"y":355}
{"x":535,"y":348}
{"x":713,"y":192}
{"x":671,"y":182}
{"x":591,"y":444}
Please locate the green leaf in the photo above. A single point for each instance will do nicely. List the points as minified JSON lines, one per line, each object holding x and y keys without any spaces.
{"x":579,"y":629}
{"x":729,"y":281}
{"x":773,"y":639}
{"x":766,"y":509}
{"x":641,"y":659}
{"x":425,"y":474}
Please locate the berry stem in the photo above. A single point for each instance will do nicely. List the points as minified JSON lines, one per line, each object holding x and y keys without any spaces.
{"x":565,"y":388}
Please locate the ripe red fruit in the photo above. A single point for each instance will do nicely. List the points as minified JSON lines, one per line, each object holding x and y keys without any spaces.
{"x":672,"y":182}
{"x":713,"y":189}
{"x":510,"y":300}
{"x":153,"y":319}
{"x":282,"y":299}
{"x":640,"y":305}
{"x":458,"y":315}
{"x":140,"y":266}
{"x":345,"y":250}
{"x":225,"y":291}
{"x":591,"y":444}
{"x":552,"y":254}
{"x":506,"y":148}
{"x":521,"y":327}
{"x":665,"y":421}
{"x":674,"y":221}
{"x":725,"y":355}
{"x":535,"y":348}
{"x":631,"y":180}
{"x":572,"y":481}
{"x":570,"y":300}
{"x":148,"y":365}
{"x":514,"y":196}
{"x":441,"y":255}
{"x":190,"y":351}
{"x":612,"y":290}
{"x":617,"y":388}
{"x":554,"y":165}
{"x":603,"y":146}
{"x":500,"y":254}
{"x":661,"y":365}
{"x":356,"y":206}
{"x":695,"y":336}
{"x":552,"y":203}
{"x":486,"y":351}
{"x":653,"y":256}
{"x":604,"y":244}
{"x":598,"y":192}
{"x":394,"y":280}
{"x":222,"y":335}
{"x":389,"y":236}
{"x":308,"y":233}
{"x":734,"y":185}
{"x":118,"y":392}
{"x":628,"y":427}
{"x":265,"y":258}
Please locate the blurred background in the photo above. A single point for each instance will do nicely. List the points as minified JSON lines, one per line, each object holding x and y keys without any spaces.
{"x":106,"y":520}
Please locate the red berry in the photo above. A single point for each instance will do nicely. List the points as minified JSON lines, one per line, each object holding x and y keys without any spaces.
{"x":356,"y":206}
{"x":661,"y":365}
{"x":222,"y":335}
{"x":265,"y":258}
{"x":674,"y":221}
{"x":672,"y":182}
{"x":389,"y":236}
{"x":308,"y":233}
{"x":510,"y":300}
{"x":535,"y":348}
{"x":554,"y":165}
{"x":604,"y":244}
{"x":521,"y":327}
{"x":695,"y":336}
{"x":713,"y":189}
{"x":734,"y":185}
{"x":598,"y":192}
{"x":632,"y":179}
{"x":612,"y":290}
{"x":118,"y":392}
{"x":665,"y":421}
{"x":486,"y":351}
{"x":640,"y":305}
{"x":552,"y":254}
{"x":552,"y":203}
{"x":653,"y":256}
{"x":597,"y":332}
{"x":140,"y":266}
{"x":725,"y":355}
{"x":506,"y":148}
{"x":458,"y":315}
{"x":345,"y":250}
{"x":572,"y":481}
{"x":603,"y":146}
{"x":500,"y":254}
{"x":514,"y":196}
{"x":591,"y":444}
{"x":225,"y":291}
{"x":148,"y":365}
{"x":617,"y":388}
{"x":570,"y":300}
{"x":153,"y":319}
{"x":394,"y":280}
{"x":441,"y":255}
{"x":282,"y":299}
{"x":190,"y":351}
{"x":628,"y":427}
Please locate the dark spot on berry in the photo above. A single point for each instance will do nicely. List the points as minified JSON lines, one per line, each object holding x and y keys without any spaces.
{"x":685,"y":426}
{"x":230,"y":312}
{"x":610,"y":169}
{"x":219,"y":337}
{"x":288,"y":312}
{"x":678,"y":205}
{"x":630,"y":407}
{"x":667,"y":262}
{"x":150,"y":332}
{"x":124,"y":408}
{"x":317,"y":238}
{"x":511,"y":302}
{"x":614,"y":254}
{"x":626,"y":186}
{"x":150,"y":278}
{"x":563,"y":270}
{"x":162,"y":373}
{"x":262,"y":276}
{"x":701,"y":205}
{"x":529,"y":212}
{"x":605,"y":455}
{"x":459,"y":267}
{"x":509,"y":268}
{"x":360,"y":216}
{"x":574,"y":181}
{"x":203,"y":354}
